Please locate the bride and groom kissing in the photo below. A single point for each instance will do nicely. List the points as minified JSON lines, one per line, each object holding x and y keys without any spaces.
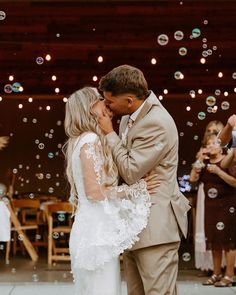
{"x":124,"y":188}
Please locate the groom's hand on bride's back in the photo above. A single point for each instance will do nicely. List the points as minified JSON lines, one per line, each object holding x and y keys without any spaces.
{"x":105,"y":121}
{"x":152,"y":182}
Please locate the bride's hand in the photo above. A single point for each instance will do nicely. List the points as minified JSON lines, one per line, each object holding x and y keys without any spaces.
{"x":105,"y":122}
{"x":152,"y":182}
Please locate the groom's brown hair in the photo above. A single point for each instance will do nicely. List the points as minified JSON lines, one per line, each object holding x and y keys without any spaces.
{"x":125,"y":79}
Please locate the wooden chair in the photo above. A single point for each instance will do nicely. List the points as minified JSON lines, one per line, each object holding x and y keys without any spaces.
{"x":44,"y":198}
{"x":59,"y":224}
{"x":20,"y":229}
{"x":28,"y":213}
{"x":28,"y":209}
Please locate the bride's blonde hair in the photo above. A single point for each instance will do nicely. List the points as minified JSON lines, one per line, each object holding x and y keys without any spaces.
{"x":79,"y":118}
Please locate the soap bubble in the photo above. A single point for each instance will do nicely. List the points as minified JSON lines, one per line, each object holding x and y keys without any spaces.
{"x":231,"y":209}
{"x":2,"y":15}
{"x":201,"y":115}
{"x":220,"y":225}
{"x":163,"y":39}
{"x":183,"y":51}
{"x":210,"y":100}
{"x":225,"y":105}
{"x":186,"y":256}
{"x":178,"y":75}
{"x":39,"y":60}
{"x":178,"y":35}
{"x":196,"y":33}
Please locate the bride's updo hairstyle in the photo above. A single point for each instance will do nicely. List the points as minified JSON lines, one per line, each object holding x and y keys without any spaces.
{"x":79,"y":118}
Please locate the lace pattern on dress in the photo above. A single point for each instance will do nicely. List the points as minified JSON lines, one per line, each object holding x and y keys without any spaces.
{"x":104,"y":229}
{"x":98,"y":161}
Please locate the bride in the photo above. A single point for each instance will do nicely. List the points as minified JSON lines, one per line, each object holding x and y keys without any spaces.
{"x":108,"y":217}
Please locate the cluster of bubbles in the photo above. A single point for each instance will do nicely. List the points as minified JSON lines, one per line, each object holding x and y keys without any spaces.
{"x":212,"y":105}
{"x":184,"y":184}
{"x":40,"y":174}
{"x":211,"y":101}
{"x":15,"y":87}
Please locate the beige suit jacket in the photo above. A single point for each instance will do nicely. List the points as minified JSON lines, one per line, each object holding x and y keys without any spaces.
{"x":151,"y":145}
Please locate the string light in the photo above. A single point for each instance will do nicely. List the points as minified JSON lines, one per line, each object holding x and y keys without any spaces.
{"x":57,"y":90}
{"x":20,"y":106}
{"x":48,"y":57}
{"x":165,"y":91}
{"x":100,"y":59}
{"x":199,"y":91}
{"x":188,"y":108}
{"x":65,"y":99}
{"x":202,"y":60}
{"x":48,"y":108}
{"x":160,"y":97}
{"x":54,"y":78}
{"x":153,"y":61}
{"x":30,"y":99}
{"x":95,"y":78}
{"x":220,"y":74}
{"x":11,"y":78}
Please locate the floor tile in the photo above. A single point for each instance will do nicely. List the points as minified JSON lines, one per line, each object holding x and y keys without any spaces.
{"x":184,"y":288}
{"x":6,"y":289}
{"x":48,"y":289}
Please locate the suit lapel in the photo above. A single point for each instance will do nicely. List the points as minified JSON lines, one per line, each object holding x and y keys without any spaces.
{"x":150,"y":101}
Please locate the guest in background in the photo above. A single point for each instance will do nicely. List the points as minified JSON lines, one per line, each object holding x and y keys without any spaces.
{"x":213,"y":127}
{"x":220,"y":211}
{"x":203,"y":258}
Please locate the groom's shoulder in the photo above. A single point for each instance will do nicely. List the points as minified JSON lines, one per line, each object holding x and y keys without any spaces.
{"x":158,"y":113}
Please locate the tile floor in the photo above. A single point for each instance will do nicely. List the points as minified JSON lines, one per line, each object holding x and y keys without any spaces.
{"x":23,"y":277}
{"x":185,"y":288}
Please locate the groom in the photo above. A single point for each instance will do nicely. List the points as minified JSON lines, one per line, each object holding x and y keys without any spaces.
{"x":148,"y":144}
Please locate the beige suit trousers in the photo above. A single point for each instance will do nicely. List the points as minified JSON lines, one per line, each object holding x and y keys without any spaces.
{"x":152,"y":270}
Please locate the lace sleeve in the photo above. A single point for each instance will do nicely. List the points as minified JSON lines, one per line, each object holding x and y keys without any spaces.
{"x":91,"y":166}
{"x":94,"y":177}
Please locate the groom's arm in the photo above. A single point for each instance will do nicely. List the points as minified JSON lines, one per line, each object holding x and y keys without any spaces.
{"x":151,"y":142}
{"x":149,"y":146}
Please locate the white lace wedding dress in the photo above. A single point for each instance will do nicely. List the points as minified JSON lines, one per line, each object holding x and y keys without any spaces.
{"x":107,"y":221}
